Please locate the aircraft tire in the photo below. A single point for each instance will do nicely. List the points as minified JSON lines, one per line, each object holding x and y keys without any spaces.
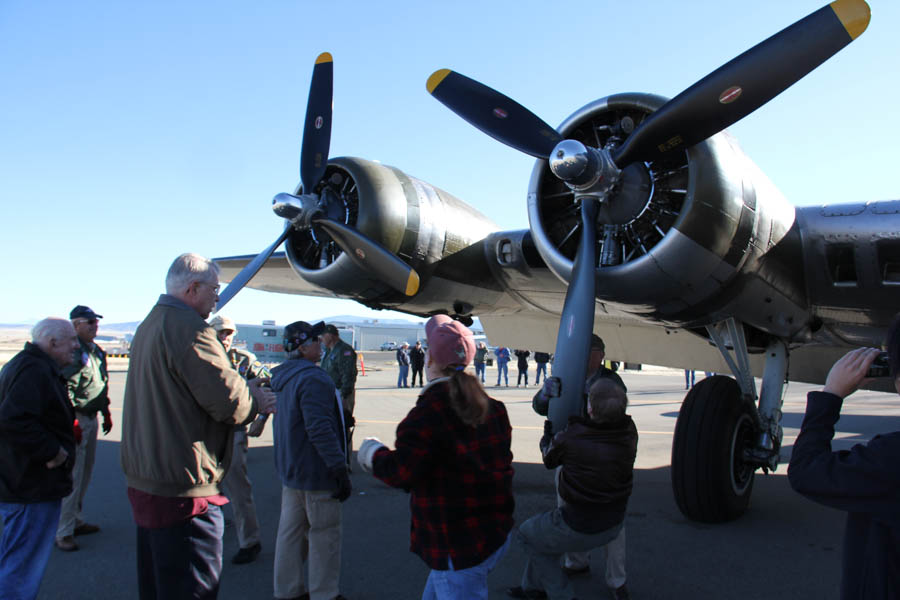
{"x":711,"y":482}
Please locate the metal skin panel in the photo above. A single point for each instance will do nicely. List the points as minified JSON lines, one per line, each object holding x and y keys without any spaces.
{"x":423,"y":225}
{"x":857,"y":312}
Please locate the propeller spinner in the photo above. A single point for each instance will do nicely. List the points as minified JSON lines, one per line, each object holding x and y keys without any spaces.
{"x":310,"y":209}
{"x":715,"y":102}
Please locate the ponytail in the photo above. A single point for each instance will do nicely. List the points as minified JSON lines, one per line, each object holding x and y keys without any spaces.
{"x":467,"y":397}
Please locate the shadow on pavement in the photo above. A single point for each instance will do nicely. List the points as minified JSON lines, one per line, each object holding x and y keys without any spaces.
{"x":784,"y":547}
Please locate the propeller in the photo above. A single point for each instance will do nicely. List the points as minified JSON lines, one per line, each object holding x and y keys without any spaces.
{"x":715,"y":102}
{"x":310,"y":209}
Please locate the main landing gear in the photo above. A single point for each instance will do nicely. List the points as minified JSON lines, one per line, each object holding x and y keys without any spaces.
{"x":721,"y":437}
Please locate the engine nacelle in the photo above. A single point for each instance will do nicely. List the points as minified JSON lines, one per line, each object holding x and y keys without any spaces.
{"x":679,"y":236}
{"x":420,"y":223}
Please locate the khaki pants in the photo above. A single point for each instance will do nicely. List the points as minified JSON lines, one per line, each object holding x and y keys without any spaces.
{"x":239,"y":490}
{"x":614,"y":553}
{"x":309,"y":540}
{"x":85,"y":452}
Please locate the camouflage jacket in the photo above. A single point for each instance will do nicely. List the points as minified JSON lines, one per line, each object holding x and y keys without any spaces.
{"x":340,"y":364}
{"x":245,"y":363}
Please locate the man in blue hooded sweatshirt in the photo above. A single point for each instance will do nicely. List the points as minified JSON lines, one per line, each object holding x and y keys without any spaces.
{"x":310,"y":451}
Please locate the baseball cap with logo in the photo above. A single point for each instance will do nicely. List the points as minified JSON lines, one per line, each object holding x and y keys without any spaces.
{"x":449,"y":342}
{"x":299,"y":332}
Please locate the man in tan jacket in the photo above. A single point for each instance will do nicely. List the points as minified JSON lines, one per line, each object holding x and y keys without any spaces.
{"x":182,"y":400}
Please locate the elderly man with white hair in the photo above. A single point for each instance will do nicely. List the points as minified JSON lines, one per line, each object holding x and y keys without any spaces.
{"x":37,"y":449}
{"x":182,"y":401}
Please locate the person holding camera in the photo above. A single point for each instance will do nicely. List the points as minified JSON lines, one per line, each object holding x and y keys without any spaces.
{"x":863,"y":481}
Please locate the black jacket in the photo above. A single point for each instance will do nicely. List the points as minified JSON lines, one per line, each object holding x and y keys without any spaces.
{"x":863,"y":481}
{"x":35,"y":421}
{"x":597,"y":467}
{"x":417,"y":357}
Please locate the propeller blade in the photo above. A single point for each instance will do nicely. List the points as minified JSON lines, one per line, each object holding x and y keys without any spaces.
{"x":247,"y":273}
{"x":573,"y":343}
{"x":490,"y":111}
{"x":745,"y":83}
{"x":317,"y":126}
{"x":371,"y":256}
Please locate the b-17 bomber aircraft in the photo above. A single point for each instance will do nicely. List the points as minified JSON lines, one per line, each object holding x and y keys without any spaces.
{"x":648,"y":226}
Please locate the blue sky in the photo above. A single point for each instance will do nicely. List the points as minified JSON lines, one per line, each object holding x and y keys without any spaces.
{"x":133,"y":131}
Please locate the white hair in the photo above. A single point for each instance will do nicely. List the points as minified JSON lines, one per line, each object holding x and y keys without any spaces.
{"x":51,"y":328}
{"x":186,"y":269}
{"x":608,"y":401}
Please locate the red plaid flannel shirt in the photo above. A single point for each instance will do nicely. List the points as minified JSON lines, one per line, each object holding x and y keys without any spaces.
{"x":459,"y":478}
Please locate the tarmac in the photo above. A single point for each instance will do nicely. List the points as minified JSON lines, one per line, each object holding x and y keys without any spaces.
{"x":784,"y":547}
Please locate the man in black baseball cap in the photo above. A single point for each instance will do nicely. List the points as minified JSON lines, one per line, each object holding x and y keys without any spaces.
{"x":88,"y":392}
{"x":83,"y":312}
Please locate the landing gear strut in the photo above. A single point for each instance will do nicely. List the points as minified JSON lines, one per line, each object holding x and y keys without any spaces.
{"x":721,"y":438}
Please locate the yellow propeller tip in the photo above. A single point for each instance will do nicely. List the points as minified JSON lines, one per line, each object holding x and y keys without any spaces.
{"x":412,"y":284}
{"x":854,"y":15}
{"x":436,"y":78}
{"x":325,"y":57}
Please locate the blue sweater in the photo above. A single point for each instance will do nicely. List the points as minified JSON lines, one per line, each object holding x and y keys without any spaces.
{"x":309,"y":437}
{"x":863,"y":481}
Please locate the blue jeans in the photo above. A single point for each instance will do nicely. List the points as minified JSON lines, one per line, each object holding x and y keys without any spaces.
{"x":28,"y":532}
{"x":541,"y":368}
{"x":479,"y":371}
{"x":402,"y":378}
{"x":502,"y":371}
{"x":545,"y":538}
{"x":464,"y":584}
{"x":181,"y":561}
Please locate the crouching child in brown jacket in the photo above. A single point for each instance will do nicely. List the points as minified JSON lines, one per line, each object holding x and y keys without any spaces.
{"x":596,"y":456}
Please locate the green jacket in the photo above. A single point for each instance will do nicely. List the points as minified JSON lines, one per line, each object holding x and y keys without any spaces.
{"x":340,"y":364}
{"x":88,"y":379}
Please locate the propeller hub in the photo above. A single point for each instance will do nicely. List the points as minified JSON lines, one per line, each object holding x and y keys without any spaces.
{"x":572,"y":162}
{"x":299,"y":210}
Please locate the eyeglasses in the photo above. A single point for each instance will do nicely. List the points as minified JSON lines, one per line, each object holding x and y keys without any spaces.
{"x":214,"y":288}
{"x":88,"y":321}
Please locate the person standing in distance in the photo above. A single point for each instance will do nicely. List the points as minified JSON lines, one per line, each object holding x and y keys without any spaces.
{"x":182,"y":401}
{"x":502,"y":354}
{"x":310,"y":457}
{"x":237,"y":485}
{"x":417,"y":362}
{"x":479,"y":360}
{"x":403,"y":361}
{"x":87,"y":383}
{"x":541,"y":359}
{"x":37,"y":453}
{"x":522,"y":364}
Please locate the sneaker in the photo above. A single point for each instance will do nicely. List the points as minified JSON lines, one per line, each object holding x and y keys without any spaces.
{"x":575,"y":571}
{"x":620,"y":593}
{"x":66,"y":544}
{"x":86,"y":529}
{"x":246,"y":555}
{"x":520,"y":592}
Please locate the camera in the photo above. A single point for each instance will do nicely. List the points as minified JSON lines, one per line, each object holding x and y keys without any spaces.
{"x":879,"y":367}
